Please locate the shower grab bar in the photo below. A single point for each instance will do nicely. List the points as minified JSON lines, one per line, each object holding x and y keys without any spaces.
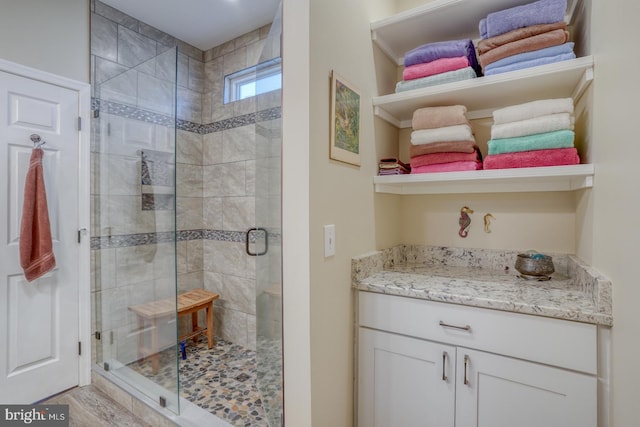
{"x":248,"y":238}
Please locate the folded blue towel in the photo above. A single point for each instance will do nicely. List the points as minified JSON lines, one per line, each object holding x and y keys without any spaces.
{"x":535,"y":54}
{"x":539,"y":12}
{"x":530,"y":63}
{"x":437,"y":79}
{"x":539,"y":141}
{"x":447,"y":49}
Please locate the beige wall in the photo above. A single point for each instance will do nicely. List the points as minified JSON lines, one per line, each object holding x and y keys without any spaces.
{"x":341,"y":194}
{"x":616,"y":197}
{"x":48,"y":35}
{"x":596,"y":224}
{"x":295,"y":212}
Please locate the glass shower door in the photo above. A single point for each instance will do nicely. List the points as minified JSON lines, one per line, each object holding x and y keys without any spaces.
{"x":269,"y":242}
{"x":133,"y":227}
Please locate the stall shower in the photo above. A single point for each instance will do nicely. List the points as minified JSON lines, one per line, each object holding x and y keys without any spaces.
{"x":185,"y":195}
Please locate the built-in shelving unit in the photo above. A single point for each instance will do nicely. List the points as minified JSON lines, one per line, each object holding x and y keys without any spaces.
{"x":552,"y":178}
{"x":457,"y":19}
{"x":483,"y":95}
{"x":439,"y":20}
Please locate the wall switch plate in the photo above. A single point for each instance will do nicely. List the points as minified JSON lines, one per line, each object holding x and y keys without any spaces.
{"x":329,"y":240}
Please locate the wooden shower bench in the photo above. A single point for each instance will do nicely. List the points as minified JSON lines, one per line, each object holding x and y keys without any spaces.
{"x":152,"y":313}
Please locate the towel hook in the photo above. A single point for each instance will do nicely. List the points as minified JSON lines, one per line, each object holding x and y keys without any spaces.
{"x":37,"y":141}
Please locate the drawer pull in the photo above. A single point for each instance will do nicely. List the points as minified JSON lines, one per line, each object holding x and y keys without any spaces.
{"x":462,"y":328}
{"x":466,"y":365}
{"x":444,"y":364}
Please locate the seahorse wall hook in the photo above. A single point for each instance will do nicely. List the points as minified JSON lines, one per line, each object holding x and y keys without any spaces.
{"x":464,"y":221}
{"x":487,"y":222}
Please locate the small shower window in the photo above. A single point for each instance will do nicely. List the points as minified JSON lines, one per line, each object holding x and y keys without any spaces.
{"x":252,"y":81}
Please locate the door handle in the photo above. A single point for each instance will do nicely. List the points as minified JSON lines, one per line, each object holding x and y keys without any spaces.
{"x":444,"y":364}
{"x":466,"y":369}
{"x":462,"y":328}
{"x":247,"y":240}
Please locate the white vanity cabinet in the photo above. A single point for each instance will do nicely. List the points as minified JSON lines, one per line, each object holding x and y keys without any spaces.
{"x":423,"y":363}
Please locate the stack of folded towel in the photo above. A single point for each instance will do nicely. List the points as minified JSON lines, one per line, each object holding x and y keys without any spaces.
{"x":524,"y":36}
{"x":538,"y":133}
{"x":442,"y":141}
{"x":392,"y":166}
{"x":437,"y":63}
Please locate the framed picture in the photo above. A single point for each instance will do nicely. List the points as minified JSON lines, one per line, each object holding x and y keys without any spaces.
{"x":345,"y":121}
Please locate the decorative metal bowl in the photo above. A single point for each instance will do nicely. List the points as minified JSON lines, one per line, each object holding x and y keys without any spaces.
{"x":534,"y":264}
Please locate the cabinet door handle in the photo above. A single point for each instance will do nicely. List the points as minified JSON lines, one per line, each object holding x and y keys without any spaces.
{"x":462,"y":328}
{"x":444,"y":364}
{"x":466,"y":368}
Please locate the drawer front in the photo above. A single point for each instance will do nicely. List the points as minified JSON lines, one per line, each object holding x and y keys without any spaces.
{"x":562,"y":343}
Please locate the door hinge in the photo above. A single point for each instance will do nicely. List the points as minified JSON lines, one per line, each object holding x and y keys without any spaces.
{"x":81,"y":231}
{"x":97,"y":335}
{"x":79,"y":123}
{"x":79,"y":348}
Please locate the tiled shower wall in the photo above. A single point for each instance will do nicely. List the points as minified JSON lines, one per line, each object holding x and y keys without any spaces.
{"x":215,"y":174}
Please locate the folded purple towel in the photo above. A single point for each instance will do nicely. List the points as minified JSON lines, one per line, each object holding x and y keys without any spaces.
{"x":535,"y":54}
{"x":447,"y":49}
{"x":530,"y":63}
{"x":539,"y":12}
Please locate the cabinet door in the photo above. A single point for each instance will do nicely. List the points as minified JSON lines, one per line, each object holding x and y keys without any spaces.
{"x":404,"y":382}
{"x":498,"y":391}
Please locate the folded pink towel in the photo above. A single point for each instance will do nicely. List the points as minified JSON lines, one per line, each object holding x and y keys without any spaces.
{"x":486,"y":45}
{"x":443,"y":147}
{"x":530,"y":159}
{"x":438,"y":66}
{"x":530,"y":44}
{"x":36,"y":246}
{"x":437,"y":158}
{"x":436,"y":117}
{"x":448,"y":167}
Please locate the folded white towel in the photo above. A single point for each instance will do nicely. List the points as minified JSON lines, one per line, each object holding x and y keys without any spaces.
{"x":542,"y":124}
{"x":533,"y":109}
{"x":445,"y":133}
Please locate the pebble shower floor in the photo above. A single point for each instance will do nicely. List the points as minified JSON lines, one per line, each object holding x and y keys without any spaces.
{"x":221,"y":380}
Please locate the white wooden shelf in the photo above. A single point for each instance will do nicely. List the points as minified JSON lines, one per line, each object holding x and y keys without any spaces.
{"x":484,"y":94}
{"x":439,"y":20}
{"x":552,"y":178}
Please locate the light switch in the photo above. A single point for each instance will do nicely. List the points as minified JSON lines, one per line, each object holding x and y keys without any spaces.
{"x":329,"y":240}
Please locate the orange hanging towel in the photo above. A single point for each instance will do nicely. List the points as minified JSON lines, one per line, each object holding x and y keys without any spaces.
{"x":36,"y":247}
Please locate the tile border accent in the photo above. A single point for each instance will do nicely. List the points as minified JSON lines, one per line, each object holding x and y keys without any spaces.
{"x":127,"y":240}
{"x":130,"y":112}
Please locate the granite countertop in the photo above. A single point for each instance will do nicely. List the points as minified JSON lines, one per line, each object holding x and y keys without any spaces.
{"x":486,"y":278}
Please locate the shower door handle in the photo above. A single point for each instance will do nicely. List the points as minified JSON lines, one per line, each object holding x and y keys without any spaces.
{"x":248,"y":238}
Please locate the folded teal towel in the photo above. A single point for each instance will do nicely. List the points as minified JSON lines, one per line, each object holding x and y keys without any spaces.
{"x":437,"y":79}
{"x":539,"y":141}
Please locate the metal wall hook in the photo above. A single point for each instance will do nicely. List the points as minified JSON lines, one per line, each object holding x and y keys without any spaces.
{"x":37,"y":140}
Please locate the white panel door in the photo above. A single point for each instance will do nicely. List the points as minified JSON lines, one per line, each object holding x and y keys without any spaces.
{"x":38,"y":320}
{"x":505,"y":392}
{"x":404,"y":382}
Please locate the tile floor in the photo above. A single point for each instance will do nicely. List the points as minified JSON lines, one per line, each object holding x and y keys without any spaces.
{"x":222,"y":380}
{"x":90,"y":407}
